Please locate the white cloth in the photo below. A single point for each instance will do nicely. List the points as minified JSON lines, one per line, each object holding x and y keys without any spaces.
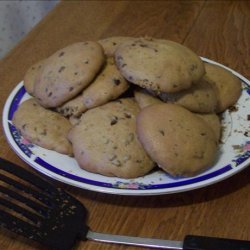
{"x":17,"y":18}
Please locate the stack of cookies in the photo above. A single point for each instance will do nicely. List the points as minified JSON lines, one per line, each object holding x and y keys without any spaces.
{"x":124,"y":106}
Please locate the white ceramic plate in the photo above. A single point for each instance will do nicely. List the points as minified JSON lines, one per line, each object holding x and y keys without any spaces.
{"x":233,"y":156}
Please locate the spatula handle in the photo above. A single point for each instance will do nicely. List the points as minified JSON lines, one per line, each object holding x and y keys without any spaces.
{"x":192,"y":242}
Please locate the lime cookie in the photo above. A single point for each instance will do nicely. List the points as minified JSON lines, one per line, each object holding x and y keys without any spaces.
{"x":43,"y":127}
{"x":67,"y":72}
{"x":159,"y":65}
{"x":181,"y":143}
{"x":226,"y":84}
{"x":105,"y":141}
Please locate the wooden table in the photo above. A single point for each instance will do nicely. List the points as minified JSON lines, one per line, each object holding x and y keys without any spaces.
{"x":219,"y":30}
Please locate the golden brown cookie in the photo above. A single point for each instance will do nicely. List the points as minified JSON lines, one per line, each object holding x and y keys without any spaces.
{"x":105,"y":142}
{"x":31,"y":76}
{"x":43,"y":127}
{"x":110,"y":44}
{"x":74,"y":107}
{"x":200,"y":98}
{"x":159,"y":65}
{"x":107,"y":86}
{"x":213,"y":121}
{"x":144,"y":99}
{"x":67,"y":72}
{"x":181,"y":143}
{"x":226,"y":84}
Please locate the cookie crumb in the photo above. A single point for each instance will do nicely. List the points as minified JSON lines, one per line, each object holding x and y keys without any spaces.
{"x":247,"y":134}
{"x":232,"y":109}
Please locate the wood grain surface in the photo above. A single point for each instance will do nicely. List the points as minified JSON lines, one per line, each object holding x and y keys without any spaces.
{"x":218,"y":30}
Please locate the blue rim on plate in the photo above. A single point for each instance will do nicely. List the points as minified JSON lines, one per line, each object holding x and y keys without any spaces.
{"x":138,"y":186}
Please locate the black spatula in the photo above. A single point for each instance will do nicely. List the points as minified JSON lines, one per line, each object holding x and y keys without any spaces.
{"x":34,"y":208}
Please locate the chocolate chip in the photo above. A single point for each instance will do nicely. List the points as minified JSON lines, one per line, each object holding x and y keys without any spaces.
{"x":112,"y":157}
{"x":61,"y":54}
{"x":116,"y":81}
{"x":70,"y":89}
{"x":44,"y":132}
{"x":61,"y":69}
{"x":129,"y":139}
{"x":127,"y":115}
{"x":193,"y":67}
{"x":162,"y":132}
{"x":114,"y":120}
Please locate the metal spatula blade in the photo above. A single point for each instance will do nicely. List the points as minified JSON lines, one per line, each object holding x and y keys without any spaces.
{"x":36,"y":209}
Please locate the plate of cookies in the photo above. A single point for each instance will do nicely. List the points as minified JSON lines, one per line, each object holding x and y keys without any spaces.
{"x":131,"y":116}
